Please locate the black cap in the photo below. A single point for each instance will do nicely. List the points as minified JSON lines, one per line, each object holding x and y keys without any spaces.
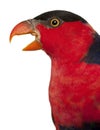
{"x":64,"y":15}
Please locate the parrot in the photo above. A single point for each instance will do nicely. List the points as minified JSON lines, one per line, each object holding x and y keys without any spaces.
{"x":74,"y":50}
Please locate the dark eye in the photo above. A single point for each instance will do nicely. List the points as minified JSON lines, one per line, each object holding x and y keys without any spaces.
{"x":55,"y":22}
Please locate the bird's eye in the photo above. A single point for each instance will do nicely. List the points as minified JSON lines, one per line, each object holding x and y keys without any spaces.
{"x":55,"y":22}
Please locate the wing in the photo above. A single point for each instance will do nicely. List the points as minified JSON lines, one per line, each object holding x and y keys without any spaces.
{"x":86,"y":126}
{"x":93,"y":55}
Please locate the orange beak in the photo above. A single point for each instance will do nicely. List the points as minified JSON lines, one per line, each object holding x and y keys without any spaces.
{"x":26,"y":27}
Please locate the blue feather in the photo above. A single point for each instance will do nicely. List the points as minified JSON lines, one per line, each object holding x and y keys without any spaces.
{"x":93,"y":56}
{"x":85,"y":126}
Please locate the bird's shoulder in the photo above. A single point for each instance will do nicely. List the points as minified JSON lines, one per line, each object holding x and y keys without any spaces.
{"x":93,"y":55}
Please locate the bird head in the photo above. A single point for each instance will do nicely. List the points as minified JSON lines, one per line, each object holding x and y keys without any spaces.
{"x":59,"y":33}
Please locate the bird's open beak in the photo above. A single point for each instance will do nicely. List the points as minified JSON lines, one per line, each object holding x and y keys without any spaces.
{"x":26,"y":27}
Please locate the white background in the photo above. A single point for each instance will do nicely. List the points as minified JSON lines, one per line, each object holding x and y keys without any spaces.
{"x":24,"y":76}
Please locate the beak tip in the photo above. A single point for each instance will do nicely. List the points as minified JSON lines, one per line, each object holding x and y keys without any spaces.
{"x":23,"y":49}
{"x":10,"y":39}
{"x":12,"y":34}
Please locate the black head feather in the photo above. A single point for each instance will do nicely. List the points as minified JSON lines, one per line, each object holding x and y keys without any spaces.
{"x":64,"y":15}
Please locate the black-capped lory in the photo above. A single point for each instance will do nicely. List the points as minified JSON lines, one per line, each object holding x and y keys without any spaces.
{"x":74,"y":49}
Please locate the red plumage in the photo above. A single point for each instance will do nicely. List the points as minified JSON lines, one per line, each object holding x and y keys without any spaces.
{"x":74,"y":90}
